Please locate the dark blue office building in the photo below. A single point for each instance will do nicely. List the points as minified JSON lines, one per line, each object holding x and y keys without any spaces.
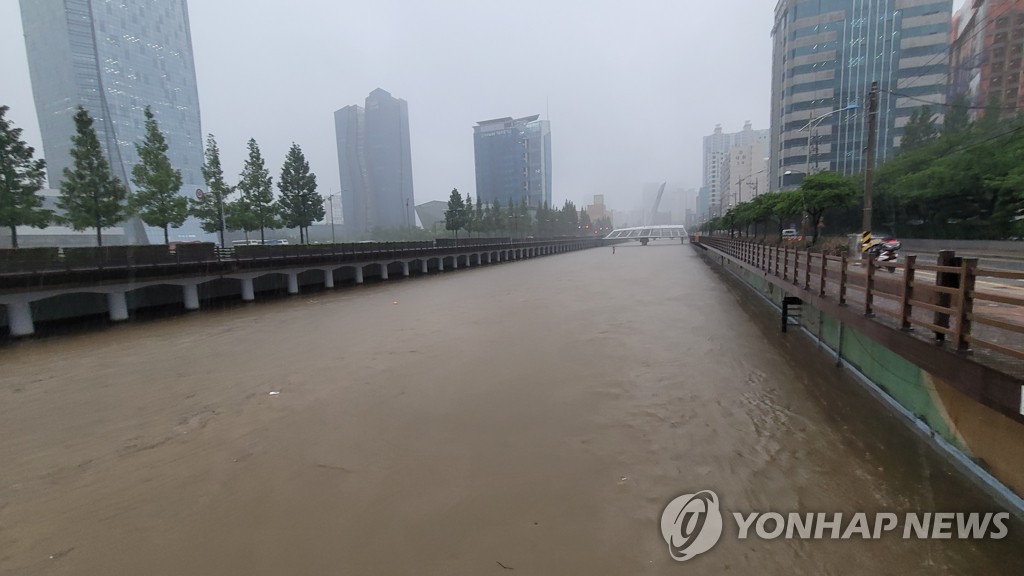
{"x":513,"y":160}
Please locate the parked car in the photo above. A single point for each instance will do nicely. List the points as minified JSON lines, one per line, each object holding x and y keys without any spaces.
{"x":791,"y":235}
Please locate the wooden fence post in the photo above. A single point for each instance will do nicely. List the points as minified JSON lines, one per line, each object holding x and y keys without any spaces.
{"x":785,"y":262}
{"x":796,"y":266}
{"x":843,"y":276}
{"x":869,"y":288}
{"x":824,"y":269}
{"x":947,"y":280}
{"x":807,"y":272}
{"x":965,"y":303}
{"x":907,"y":294}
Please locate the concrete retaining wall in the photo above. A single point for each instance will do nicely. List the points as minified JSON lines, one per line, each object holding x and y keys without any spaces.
{"x":978,"y":434}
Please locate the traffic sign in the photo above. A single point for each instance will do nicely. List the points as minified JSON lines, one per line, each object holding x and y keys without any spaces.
{"x":199,"y":194}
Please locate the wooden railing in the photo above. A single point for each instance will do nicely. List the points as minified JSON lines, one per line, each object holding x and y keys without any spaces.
{"x":954,"y":301}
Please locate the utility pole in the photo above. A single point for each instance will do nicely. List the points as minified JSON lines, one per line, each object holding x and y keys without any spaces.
{"x":869,"y":165}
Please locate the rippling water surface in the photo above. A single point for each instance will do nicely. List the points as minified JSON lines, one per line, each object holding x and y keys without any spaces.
{"x":536,"y":416}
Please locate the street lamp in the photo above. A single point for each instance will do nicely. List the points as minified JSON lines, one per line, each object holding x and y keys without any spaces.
{"x":330,"y":201}
{"x":812,"y":130}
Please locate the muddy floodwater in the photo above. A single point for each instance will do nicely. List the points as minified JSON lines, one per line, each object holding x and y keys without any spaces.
{"x":526,"y":418}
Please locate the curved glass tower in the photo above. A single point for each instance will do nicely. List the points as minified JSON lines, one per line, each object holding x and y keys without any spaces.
{"x":114,"y":59}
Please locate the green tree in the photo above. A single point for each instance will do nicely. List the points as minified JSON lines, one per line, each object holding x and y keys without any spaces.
{"x":819,"y":192}
{"x":455,"y":215}
{"x":958,"y":116}
{"x":21,"y":177}
{"x":299,"y":204}
{"x":470,"y":221}
{"x":90,"y":196}
{"x":157,"y":199}
{"x":525,"y":222}
{"x":256,"y":207}
{"x":478,"y":216}
{"x":919,"y":129}
{"x":210,"y":209}
{"x":497,"y":218}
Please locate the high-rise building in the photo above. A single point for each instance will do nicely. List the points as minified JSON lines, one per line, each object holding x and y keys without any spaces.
{"x":716,"y":154}
{"x":114,"y":59}
{"x":375,"y":164}
{"x":826,"y":55}
{"x":986,"y":55}
{"x":513,"y":160}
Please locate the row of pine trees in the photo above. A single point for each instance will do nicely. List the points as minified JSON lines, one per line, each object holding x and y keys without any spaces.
{"x":92,"y":197}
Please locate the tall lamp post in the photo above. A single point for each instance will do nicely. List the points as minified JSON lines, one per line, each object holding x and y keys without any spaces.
{"x":812,"y":130}
{"x":330,"y":201}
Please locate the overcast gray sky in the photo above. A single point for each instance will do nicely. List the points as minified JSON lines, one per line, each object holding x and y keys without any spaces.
{"x":630,"y":87}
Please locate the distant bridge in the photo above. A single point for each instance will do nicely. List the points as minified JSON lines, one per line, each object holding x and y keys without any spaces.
{"x":645,"y":234}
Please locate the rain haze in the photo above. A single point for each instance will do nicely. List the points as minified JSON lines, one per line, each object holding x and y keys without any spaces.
{"x":630,"y":89}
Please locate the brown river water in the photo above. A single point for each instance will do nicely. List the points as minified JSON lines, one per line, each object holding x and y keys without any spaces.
{"x":526,"y":418}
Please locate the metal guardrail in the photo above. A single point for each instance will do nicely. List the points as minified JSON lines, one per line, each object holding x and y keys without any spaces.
{"x":954,"y":301}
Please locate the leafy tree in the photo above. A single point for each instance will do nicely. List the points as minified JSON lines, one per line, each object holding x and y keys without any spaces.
{"x":210,"y":209}
{"x":478,"y":216}
{"x":488,"y":218}
{"x":157,"y":199}
{"x":90,"y":196}
{"x":470,"y":221}
{"x":256,"y":208}
{"x":958,"y":116}
{"x":920,"y":129}
{"x":299,"y":205}
{"x":497,"y":218}
{"x":819,"y":192}
{"x":455,"y":215}
{"x":525,"y":221}
{"x":21,"y":177}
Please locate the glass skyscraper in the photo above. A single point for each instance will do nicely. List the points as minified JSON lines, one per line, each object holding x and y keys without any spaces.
{"x":114,"y":59}
{"x":375,"y":164}
{"x":826,"y":55}
{"x":513,"y":160}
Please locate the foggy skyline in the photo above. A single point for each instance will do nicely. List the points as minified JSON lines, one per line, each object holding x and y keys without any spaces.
{"x":630,"y":92}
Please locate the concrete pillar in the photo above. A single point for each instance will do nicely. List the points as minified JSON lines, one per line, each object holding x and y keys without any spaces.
{"x":248,"y":293}
{"x":293,"y":282}
{"x":455,"y":262}
{"x":19,"y":316}
{"x":328,"y":278}
{"x":191,"y":293}
{"x":359,"y":274}
{"x":469,"y":260}
{"x":423,"y":266}
{"x":440,"y":264}
{"x":117,"y":304}
{"x":383,"y":271}
{"x":405,"y":269}
{"x":488,"y":257}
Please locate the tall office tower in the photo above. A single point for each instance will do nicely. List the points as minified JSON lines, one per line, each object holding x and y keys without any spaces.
{"x":513,"y":160}
{"x":826,"y":55}
{"x":986,"y":55}
{"x":375,"y":164}
{"x":114,"y":59}
{"x":716,"y":154}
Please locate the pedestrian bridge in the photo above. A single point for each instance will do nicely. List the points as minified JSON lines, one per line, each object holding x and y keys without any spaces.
{"x":646,"y":233}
